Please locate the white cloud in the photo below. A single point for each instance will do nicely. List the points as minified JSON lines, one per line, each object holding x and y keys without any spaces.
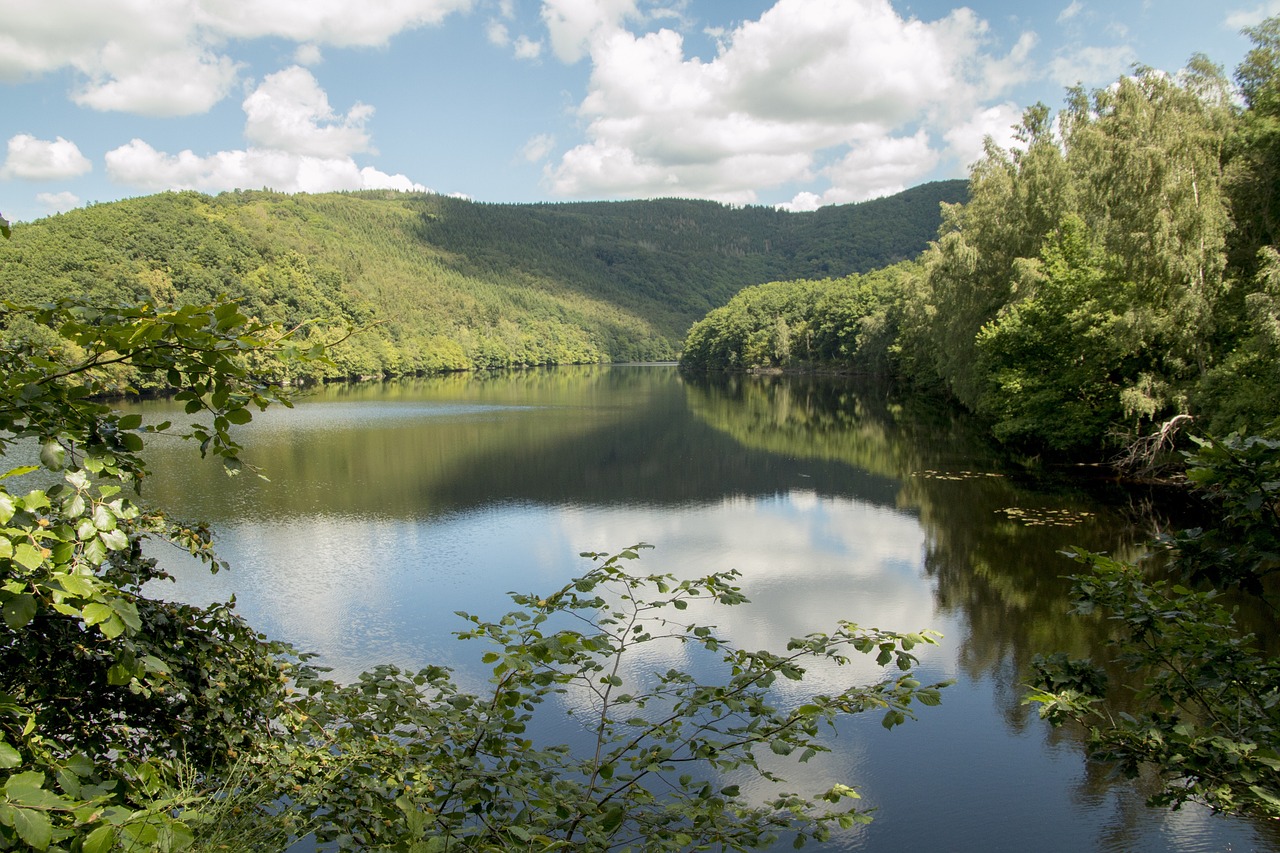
{"x":1070,"y":12}
{"x":34,"y":159}
{"x":538,"y":147}
{"x":308,"y":54}
{"x":803,"y":202}
{"x":808,"y":82}
{"x":58,"y":202}
{"x":297,"y":144}
{"x":290,"y":112}
{"x":1091,"y":65}
{"x":173,"y":83}
{"x":522,"y":47}
{"x":497,"y":34}
{"x":139,"y":165}
{"x":335,"y":22}
{"x":966,"y":140}
{"x":526,"y":48}
{"x":880,"y":167}
{"x":1242,"y":18}
{"x":1003,"y":73}
{"x":574,"y":24}
{"x":166,"y":58}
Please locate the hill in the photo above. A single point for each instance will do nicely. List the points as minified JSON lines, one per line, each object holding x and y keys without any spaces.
{"x":453,"y":284}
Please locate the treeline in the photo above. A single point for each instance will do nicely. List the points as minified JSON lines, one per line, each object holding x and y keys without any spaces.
{"x":437,"y":284}
{"x":1114,"y":269}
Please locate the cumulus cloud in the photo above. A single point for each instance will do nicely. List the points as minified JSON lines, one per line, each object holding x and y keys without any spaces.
{"x":1091,"y":65}
{"x":836,"y":88}
{"x":139,"y":165}
{"x":290,"y":112}
{"x":881,"y":167}
{"x":34,"y":159}
{"x":298,"y":143}
{"x":173,"y":83}
{"x":58,"y":202}
{"x":497,"y":34}
{"x":335,"y":22}
{"x":574,"y":24}
{"x":167,"y":59}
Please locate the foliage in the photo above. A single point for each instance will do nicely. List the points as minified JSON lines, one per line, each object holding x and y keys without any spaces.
{"x":414,"y":762}
{"x":1061,"y":354}
{"x":1099,"y":242}
{"x":842,"y":324}
{"x":102,"y":687}
{"x":1240,"y":477}
{"x":1207,"y":716}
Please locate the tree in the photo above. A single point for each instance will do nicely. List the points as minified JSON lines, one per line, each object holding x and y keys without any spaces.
{"x":103,"y":688}
{"x":1060,"y":356}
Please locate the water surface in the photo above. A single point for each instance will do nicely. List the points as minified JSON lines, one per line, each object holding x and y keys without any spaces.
{"x":390,"y":507}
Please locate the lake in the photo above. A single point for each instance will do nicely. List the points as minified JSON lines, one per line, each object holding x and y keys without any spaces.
{"x":391,"y":506}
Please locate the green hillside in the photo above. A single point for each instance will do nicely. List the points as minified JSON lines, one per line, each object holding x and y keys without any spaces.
{"x":442,"y":283}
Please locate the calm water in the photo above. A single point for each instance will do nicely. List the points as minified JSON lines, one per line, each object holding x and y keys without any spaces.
{"x":390,"y":507}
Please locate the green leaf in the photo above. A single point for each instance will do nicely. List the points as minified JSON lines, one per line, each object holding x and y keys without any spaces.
{"x":115,"y":540}
{"x":100,"y":840}
{"x":613,"y":819}
{"x":130,"y":421}
{"x":94,"y":614}
{"x":53,"y":456}
{"x":28,"y":556}
{"x":9,"y":757}
{"x":76,"y":585}
{"x":33,"y":827}
{"x":239,"y":416}
{"x":19,"y":610}
{"x":103,"y":518}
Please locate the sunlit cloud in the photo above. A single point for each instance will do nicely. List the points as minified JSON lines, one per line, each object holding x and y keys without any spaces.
{"x":34,"y":159}
{"x":169,"y":59}
{"x":813,"y":88}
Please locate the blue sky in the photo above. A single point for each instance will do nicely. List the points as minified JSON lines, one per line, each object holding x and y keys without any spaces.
{"x":798,"y":103}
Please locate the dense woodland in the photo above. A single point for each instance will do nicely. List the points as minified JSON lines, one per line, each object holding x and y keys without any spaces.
{"x":1115,"y":269}
{"x":437,"y":283}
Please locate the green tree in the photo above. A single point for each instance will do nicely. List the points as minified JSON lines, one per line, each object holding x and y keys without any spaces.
{"x":1060,"y":355}
{"x":102,"y":688}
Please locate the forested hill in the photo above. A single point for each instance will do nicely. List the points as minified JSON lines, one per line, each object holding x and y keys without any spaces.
{"x":453,"y":284}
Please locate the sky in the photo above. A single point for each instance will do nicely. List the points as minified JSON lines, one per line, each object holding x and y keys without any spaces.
{"x":790,"y":103}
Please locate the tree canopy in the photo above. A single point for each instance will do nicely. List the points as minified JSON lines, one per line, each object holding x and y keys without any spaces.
{"x":1112,"y":271}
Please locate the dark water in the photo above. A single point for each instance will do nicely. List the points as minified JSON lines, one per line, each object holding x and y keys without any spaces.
{"x":390,"y":507}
